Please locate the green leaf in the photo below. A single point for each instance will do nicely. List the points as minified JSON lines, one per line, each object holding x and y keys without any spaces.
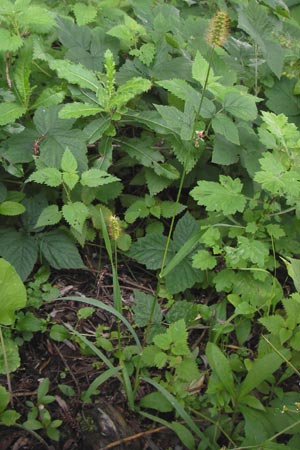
{"x":49,"y":176}
{"x":240,"y":105}
{"x":182,"y":90}
{"x":155,"y":400}
{"x":49,"y":96}
{"x":13,"y":293}
{"x":4,"y":399}
{"x":179,"y":409}
{"x":37,"y":18}
{"x":78,"y":109}
{"x":70,"y":179}
{"x":293,"y":268}
{"x":96,"y":178}
{"x":184,"y":435}
{"x":68,"y":162}
{"x":9,"y":417}
{"x":9,"y":208}
{"x":9,"y":42}
{"x":254,"y":250}
{"x":222,"y":124}
{"x":129,"y":90}
{"x":145,"y":53}
{"x":58,"y":135}
{"x":22,"y":71}
{"x":221,"y":366}
{"x":20,"y":249}
{"x":84,"y":13}
{"x":75,"y":214}
{"x":75,"y":73}
{"x":59,"y":250}
{"x":10,"y":111}
{"x":200,"y":69}
{"x":143,"y":307}
{"x":12,"y":356}
{"x":260,"y":370}
{"x":225,"y":152}
{"x":223,"y":197}
{"x":204,"y":260}
{"x":273,"y":323}
{"x":49,"y":216}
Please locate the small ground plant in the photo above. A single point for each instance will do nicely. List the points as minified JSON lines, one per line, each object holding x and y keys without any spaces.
{"x":160,"y":139}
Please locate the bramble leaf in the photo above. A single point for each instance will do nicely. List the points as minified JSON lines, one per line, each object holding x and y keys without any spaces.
{"x":49,"y":176}
{"x":49,"y":216}
{"x":75,"y":214}
{"x":223,"y":197}
{"x":96,"y":177}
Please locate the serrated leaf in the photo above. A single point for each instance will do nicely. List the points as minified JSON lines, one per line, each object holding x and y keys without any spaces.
{"x":129,"y":90}
{"x":240,"y":105}
{"x":13,"y":293}
{"x":220,"y":365}
{"x":9,"y":208}
{"x":21,"y":74}
{"x":223,"y":197}
{"x":156,"y":183}
{"x":59,"y":250}
{"x":10,"y":111}
{"x":181,"y":89}
{"x":143,"y":307}
{"x":75,"y":73}
{"x":204,"y":260}
{"x":253,"y":250}
{"x":149,"y":250}
{"x":20,"y":249}
{"x":49,"y":96}
{"x":96,"y":177}
{"x":9,"y":42}
{"x":49,"y":216}
{"x":273,"y":323}
{"x":70,"y":179}
{"x":75,"y":214}
{"x":58,"y":135}
{"x":168,"y":209}
{"x":39,"y":19}
{"x":222,"y":124}
{"x":49,"y":176}
{"x":78,"y":109}
{"x":145,"y":53}
{"x":84,"y":13}
{"x":200,"y":69}
{"x":68,"y":162}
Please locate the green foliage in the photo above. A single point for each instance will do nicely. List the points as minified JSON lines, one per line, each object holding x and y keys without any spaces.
{"x":13,"y":293}
{"x":123,"y":109}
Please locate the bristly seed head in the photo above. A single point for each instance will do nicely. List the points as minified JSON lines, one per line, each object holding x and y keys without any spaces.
{"x":218,"y":30}
{"x":114,"y":227}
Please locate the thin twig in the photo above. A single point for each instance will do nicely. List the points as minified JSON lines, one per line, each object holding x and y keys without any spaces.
{"x":133,"y":437}
{"x":68,"y":367}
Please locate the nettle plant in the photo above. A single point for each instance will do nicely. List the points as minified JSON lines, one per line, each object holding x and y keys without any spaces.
{"x":123,"y":110}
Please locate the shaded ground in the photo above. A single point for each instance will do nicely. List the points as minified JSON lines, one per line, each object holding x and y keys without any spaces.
{"x":104,"y":424}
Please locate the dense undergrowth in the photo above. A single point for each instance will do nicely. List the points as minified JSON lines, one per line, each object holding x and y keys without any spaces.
{"x":164,"y":134}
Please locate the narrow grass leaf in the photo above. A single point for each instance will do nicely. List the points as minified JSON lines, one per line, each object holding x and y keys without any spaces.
{"x":179,"y":409}
{"x":110,"y":309}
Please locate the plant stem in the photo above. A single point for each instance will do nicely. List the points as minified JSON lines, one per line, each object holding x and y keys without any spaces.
{"x":6,"y":368}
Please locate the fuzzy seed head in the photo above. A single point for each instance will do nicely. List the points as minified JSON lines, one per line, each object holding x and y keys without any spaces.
{"x":218,"y":30}
{"x":114,"y":227}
